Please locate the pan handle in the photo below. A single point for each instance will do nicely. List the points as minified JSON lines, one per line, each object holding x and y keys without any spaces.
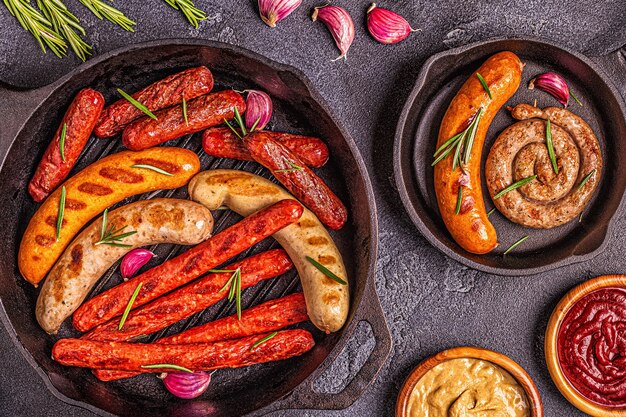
{"x":615,"y":66}
{"x":304,"y":397}
{"x":16,"y":105}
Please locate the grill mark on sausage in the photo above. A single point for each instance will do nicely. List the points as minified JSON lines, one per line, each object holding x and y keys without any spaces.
{"x":228,"y":242}
{"x":317,"y":240}
{"x":43,"y":240}
{"x":76,"y":262}
{"x":327,"y":259}
{"x":466,"y":205}
{"x":120,"y":175}
{"x":52,"y":221}
{"x":76,"y":205}
{"x":191,"y":264}
{"x":94,"y":189}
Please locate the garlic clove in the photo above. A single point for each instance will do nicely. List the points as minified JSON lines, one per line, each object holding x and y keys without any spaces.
{"x":386,"y":26}
{"x":133,"y":261}
{"x":258,"y":109}
{"x":185,"y":385}
{"x":273,"y":11}
{"x":340,"y":25}
{"x":553,"y":84}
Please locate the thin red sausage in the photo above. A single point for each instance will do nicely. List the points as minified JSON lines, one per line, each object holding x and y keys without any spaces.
{"x":80,"y":119}
{"x":202,"y":113}
{"x":292,"y":172}
{"x":189,"y":265}
{"x":190,"y":83}
{"x":195,"y":356}
{"x":192,"y":298}
{"x":221,"y":142}
{"x":267,"y":317}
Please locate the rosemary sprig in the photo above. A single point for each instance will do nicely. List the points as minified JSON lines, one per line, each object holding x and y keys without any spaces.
{"x":459,"y":199}
{"x":66,"y":25}
{"x":263,"y":340}
{"x":571,"y":93}
{"x":326,"y":271}
{"x":111,"y":236}
{"x":256,"y":122}
{"x":137,"y":104}
{"x":484,"y":84}
{"x":40,"y":27}
{"x":580,"y":218}
{"x":102,"y":10}
{"x":61,"y":212}
{"x":234,"y":292}
{"x":550,"y":146}
{"x":62,"y":141}
{"x":233,"y":129}
{"x":239,"y":121}
{"x":490,"y":212}
{"x":185,"y":111}
{"x":153,"y":168}
{"x":460,"y":141}
{"x":294,"y":167}
{"x":515,"y":186}
{"x":516,"y":244}
{"x":191,"y":12}
{"x":129,"y":306}
{"x":584,"y":180}
{"x":168,"y":366}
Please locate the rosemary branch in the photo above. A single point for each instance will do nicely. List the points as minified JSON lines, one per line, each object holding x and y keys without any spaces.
{"x":103,"y":10}
{"x":40,"y":27}
{"x":191,"y":12}
{"x":67,"y":25}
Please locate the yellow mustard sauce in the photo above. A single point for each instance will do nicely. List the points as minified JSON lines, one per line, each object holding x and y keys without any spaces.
{"x":468,"y":388}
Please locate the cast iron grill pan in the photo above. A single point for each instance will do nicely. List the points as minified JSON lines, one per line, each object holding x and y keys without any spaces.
{"x":232,"y":392}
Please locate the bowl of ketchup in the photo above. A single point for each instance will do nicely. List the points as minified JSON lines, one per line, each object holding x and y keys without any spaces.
{"x":585,"y":346}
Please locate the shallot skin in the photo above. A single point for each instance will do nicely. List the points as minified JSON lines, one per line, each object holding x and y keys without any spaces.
{"x":387,"y":27}
{"x":340,"y":25}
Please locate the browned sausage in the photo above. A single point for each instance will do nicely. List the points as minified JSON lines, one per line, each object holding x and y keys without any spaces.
{"x":292,"y":172}
{"x":221,"y":142}
{"x":79,"y":120}
{"x":269,"y":316}
{"x":202,"y":113}
{"x":471,"y":228}
{"x":195,"y":356}
{"x":190,"y":83}
{"x":192,"y":298}
{"x":189,"y":265}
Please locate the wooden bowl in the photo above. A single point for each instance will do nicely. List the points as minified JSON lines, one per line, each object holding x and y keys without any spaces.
{"x":552,"y":359}
{"x":506,"y":363}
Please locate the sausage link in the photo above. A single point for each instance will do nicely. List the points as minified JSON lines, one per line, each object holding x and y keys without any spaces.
{"x":202,"y":113}
{"x":79,"y":121}
{"x":195,"y":356}
{"x":267,"y":317}
{"x":190,"y":83}
{"x":192,"y":298}
{"x":189,"y":265}
{"x":471,"y":228}
{"x":98,"y":186}
{"x":160,"y":220}
{"x":292,"y":172}
{"x":221,"y":142}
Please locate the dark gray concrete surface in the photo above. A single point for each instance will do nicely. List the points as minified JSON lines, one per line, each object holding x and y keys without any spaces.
{"x":431,"y":302}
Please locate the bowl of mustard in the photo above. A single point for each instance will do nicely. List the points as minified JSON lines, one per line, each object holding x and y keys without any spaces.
{"x":469,"y":381}
{"x":585,"y":346}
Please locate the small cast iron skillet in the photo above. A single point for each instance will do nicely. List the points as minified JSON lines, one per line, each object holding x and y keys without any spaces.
{"x":603,"y":108}
{"x":29,"y":119}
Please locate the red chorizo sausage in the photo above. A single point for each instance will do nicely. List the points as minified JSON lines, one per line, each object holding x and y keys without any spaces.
{"x":195,"y":356}
{"x":292,"y":172}
{"x":192,"y":298}
{"x":221,"y":142}
{"x":459,"y":191}
{"x":189,"y":265}
{"x":190,"y":83}
{"x":202,"y":113}
{"x":79,"y":121}
{"x":267,"y":317}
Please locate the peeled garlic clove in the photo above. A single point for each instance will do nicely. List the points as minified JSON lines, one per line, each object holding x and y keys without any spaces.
{"x":552,"y":83}
{"x":133,"y":261}
{"x":339,"y":23}
{"x":258,"y":109}
{"x":386,"y":26}
{"x":273,"y":11}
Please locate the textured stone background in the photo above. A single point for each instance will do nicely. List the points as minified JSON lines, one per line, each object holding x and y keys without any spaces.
{"x":431,"y":302}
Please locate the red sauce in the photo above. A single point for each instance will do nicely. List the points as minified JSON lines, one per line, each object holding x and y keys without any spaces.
{"x":592,"y":346}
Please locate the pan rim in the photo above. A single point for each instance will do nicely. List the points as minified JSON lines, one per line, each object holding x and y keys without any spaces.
{"x":403,"y":181}
{"x":43,"y":93}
